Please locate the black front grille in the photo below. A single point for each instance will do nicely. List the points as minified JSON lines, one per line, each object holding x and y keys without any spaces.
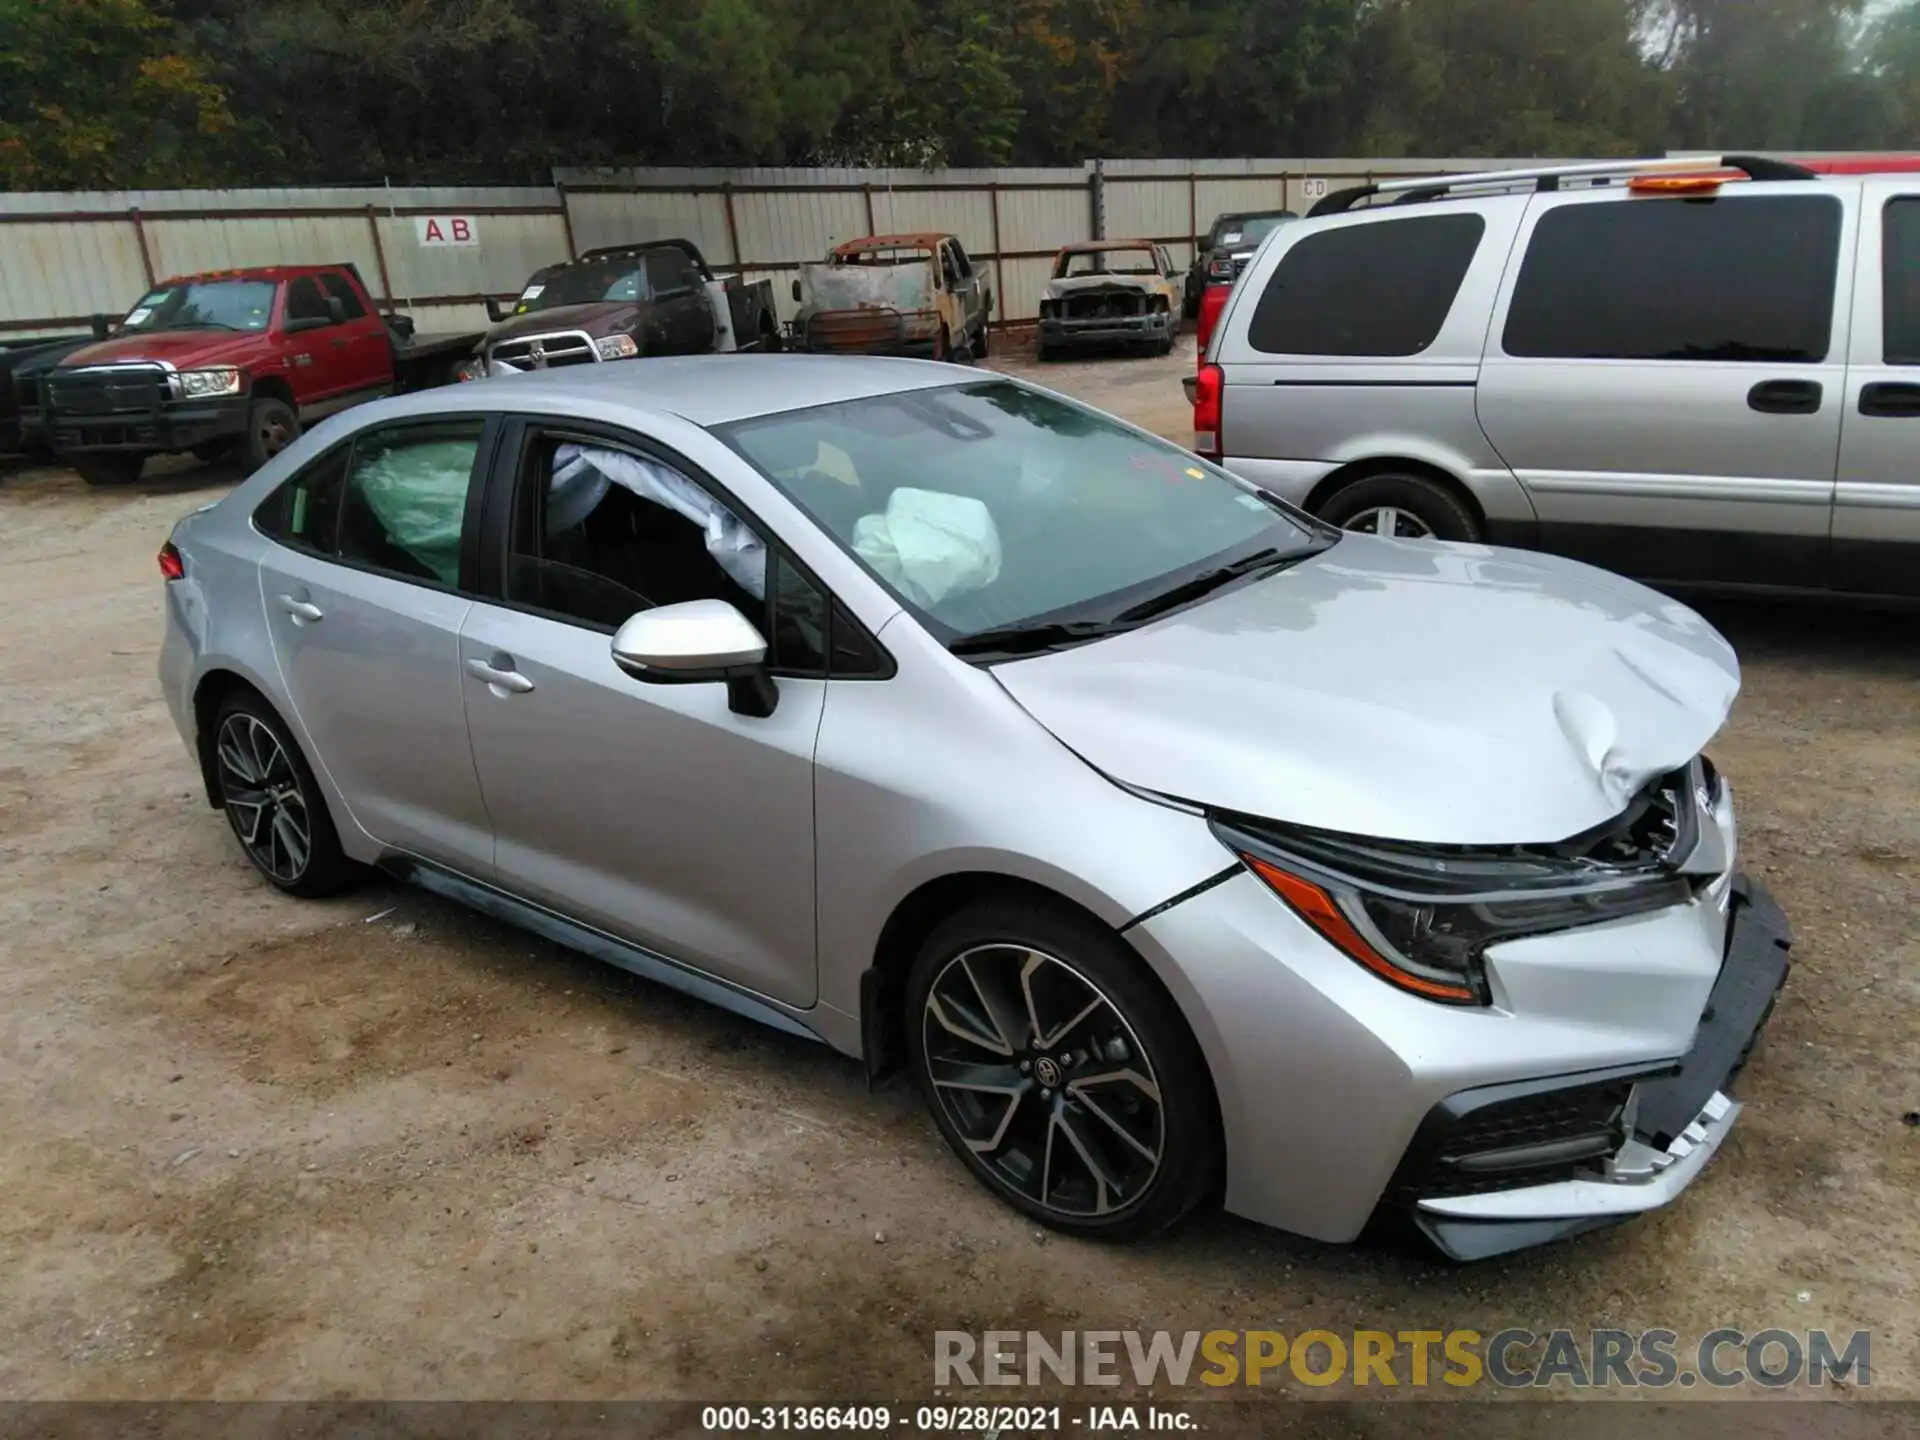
{"x":1105,"y":305}
{"x":120,"y":390}
{"x":1513,"y":1135}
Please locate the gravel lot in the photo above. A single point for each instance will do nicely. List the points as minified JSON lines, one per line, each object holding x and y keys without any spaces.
{"x":379,"y":1147}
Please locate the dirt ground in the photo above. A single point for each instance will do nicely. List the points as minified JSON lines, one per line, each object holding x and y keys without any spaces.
{"x":379,"y":1147}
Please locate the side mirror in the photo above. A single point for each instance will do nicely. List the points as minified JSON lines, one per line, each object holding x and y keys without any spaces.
{"x":336,"y":310}
{"x":699,"y":642}
{"x":496,"y":312}
{"x":401,"y":325}
{"x":101,"y":325}
{"x":796,"y":292}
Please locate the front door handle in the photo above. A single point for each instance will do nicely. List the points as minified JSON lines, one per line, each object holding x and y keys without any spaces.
{"x":304,"y":612}
{"x":503,"y":679}
{"x":1786,"y":397}
{"x":1891,"y":400}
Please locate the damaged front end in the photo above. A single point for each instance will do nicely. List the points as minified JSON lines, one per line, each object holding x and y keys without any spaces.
{"x":1497,"y":1167}
{"x":1110,"y":311}
{"x":869,"y":309}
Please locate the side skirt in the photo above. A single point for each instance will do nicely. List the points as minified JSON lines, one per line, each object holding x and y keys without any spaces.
{"x":551,"y":925}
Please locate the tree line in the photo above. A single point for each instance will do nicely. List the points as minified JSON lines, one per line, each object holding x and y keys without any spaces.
{"x":147,"y":93}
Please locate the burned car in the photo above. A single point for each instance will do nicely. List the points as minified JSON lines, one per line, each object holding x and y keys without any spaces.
{"x":1108,"y":292}
{"x":894,"y":295}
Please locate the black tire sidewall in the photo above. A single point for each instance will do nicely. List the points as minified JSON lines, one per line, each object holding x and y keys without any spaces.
{"x":1191,"y":1160}
{"x":1443,"y":513}
{"x":251,"y":453}
{"x":328,"y":868}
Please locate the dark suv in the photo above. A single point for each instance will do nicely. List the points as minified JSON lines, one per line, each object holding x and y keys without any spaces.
{"x":1226,"y":249}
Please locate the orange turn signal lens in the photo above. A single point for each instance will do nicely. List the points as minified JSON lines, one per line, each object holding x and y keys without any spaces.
{"x":1319,"y":909}
{"x":1677,"y":184}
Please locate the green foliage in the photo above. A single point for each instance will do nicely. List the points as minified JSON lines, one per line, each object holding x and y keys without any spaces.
{"x":100,"y":94}
{"x":143,"y":92}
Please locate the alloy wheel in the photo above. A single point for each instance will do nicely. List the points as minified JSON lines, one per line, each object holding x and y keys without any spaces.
{"x":1044,"y":1080}
{"x":264,"y":798}
{"x":1392,"y":522}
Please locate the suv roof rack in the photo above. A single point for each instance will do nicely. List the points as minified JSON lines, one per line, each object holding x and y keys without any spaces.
{"x":1410,"y":192}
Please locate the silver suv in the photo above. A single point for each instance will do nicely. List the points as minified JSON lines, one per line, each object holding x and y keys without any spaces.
{"x":1690,"y":371}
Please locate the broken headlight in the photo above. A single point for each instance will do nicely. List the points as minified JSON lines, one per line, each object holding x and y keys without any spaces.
{"x":1422,"y":917}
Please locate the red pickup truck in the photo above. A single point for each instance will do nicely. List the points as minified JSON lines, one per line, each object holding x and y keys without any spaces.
{"x":231,"y":364}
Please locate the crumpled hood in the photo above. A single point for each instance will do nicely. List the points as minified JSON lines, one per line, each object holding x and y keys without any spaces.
{"x":599,"y":318}
{"x":1446,"y":694}
{"x":182,"y":349}
{"x":1076,"y":283}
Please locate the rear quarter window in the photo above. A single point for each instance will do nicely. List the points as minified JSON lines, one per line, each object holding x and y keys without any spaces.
{"x":1702,"y":279}
{"x":1901,"y":264}
{"x":1378,"y":289}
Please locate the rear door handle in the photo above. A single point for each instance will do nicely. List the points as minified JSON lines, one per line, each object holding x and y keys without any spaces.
{"x":1893,"y":400}
{"x":1786,"y":397}
{"x":501,"y":679}
{"x":304,"y":612}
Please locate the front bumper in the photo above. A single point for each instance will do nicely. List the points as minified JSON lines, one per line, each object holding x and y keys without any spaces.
{"x":1670,"y":1124}
{"x":1108,"y":330}
{"x":177,"y":425}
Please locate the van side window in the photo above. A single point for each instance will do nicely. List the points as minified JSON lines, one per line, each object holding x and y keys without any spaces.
{"x":1378,"y":289}
{"x":1699,"y":279}
{"x":1902,"y":271}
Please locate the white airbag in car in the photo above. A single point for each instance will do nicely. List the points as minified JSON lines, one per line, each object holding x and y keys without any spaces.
{"x":930,"y":545}
{"x":735,"y":548}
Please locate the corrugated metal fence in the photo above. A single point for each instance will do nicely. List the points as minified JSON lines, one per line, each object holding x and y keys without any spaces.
{"x":65,"y":257}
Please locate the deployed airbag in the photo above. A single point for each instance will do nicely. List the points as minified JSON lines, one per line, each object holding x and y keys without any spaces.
{"x":930,"y":545}
{"x":418,"y":493}
{"x":581,"y":474}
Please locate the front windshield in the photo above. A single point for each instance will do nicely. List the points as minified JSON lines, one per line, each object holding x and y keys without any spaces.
{"x":621,"y":279}
{"x":1106,"y":262}
{"x":988,"y":506}
{"x":203,"y":305}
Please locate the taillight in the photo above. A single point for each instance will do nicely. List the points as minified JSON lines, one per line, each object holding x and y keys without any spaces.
{"x":171,"y":565}
{"x":1206,"y":412}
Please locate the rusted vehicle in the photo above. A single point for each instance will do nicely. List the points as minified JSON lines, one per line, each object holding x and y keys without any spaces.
{"x":895,"y":295}
{"x":1111,"y":292}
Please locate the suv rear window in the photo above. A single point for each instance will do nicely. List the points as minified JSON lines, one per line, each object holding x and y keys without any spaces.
{"x":1371,"y":289}
{"x":1902,"y":267}
{"x":1713,"y":279}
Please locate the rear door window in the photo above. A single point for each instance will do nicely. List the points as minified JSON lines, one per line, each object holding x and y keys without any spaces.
{"x":304,"y":300}
{"x":337,"y":288}
{"x":1902,"y":281}
{"x":1703,"y":279}
{"x":1378,"y":289}
{"x":404,"y":507}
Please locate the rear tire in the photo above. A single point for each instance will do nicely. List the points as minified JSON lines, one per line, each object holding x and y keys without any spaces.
{"x":1406,"y":507}
{"x":980,"y":342}
{"x":271,"y":427}
{"x":1109,"y":1128}
{"x":277,"y":811}
{"x":107,"y":468}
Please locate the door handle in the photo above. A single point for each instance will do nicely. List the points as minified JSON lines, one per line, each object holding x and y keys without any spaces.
{"x":338,"y":344}
{"x":1786,"y":397}
{"x":304,"y":612}
{"x":501,"y":679}
{"x":1892,"y":400}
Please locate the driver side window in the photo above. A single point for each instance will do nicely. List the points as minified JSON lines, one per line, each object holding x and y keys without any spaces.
{"x":602,"y":532}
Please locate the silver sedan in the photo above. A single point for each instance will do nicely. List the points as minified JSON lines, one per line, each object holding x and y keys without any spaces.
{"x":1180,"y":847}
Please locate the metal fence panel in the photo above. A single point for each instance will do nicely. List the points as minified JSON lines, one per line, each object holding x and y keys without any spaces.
{"x":607,"y":218}
{"x":54,"y":273}
{"x":186,"y":247}
{"x":795,"y":225}
{"x":966,"y":213}
{"x":1044,"y":220}
{"x":511,"y":248}
{"x":1147,"y":209}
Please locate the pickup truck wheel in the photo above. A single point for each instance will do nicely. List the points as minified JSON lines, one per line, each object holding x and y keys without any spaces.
{"x":107,"y":469}
{"x":271,"y":427}
{"x":980,"y":341}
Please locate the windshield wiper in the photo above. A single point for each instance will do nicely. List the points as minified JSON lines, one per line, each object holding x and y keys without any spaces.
{"x":1205,"y":583}
{"x":1033,"y":639}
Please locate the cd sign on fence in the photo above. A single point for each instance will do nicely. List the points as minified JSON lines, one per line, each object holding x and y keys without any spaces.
{"x":445,"y":230}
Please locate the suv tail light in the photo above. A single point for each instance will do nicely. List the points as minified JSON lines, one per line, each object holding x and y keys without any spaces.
{"x":171,"y":565}
{"x":1207,"y":390}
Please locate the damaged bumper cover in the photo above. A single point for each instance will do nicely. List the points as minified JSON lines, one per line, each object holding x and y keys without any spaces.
{"x":1514,"y":1166}
{"x":1107,"y":329}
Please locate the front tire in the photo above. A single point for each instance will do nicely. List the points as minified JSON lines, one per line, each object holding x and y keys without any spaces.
{"x":1060,"y":1073}
{"x":272,"y":802}
{"x":271,"y":427}
{"x":1404,"y":507}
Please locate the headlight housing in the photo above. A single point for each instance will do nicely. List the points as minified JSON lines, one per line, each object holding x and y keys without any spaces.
{"x":474,"y":369}
{"x":1422,"y":917}
{"x":202,"y":384}
{"x":617,"y":347}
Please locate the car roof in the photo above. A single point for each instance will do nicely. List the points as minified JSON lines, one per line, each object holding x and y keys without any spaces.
{"x":714,"y":390}
{"x":917,"y":240}
{"x":1084,"y":247}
